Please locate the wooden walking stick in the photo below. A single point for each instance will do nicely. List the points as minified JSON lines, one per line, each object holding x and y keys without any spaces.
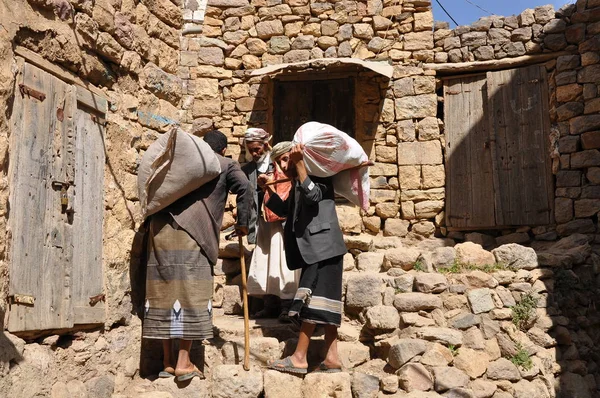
{"x":245,"y":303}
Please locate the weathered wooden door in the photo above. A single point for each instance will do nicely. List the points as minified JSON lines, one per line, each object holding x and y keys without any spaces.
{"x":470,"y":193}
{"x":49,"y":189}
{"x":328,"y":101}
{"x":520,"y":121}
{"x":87,"y":277}
{"x":498,"y":169}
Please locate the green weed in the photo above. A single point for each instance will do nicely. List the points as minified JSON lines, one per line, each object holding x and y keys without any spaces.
{"x":522,"y":358}
{"x":419,"y":266}
{"x":453,"y":349}
{"x":524,"y":310}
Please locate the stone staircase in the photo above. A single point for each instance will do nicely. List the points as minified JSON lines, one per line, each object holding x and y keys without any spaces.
{"x":423,"y":319}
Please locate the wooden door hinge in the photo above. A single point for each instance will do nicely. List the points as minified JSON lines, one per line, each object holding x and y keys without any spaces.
{"x":31,"y":93}
{"x":95,"y":299}
{"x":22,"y":299}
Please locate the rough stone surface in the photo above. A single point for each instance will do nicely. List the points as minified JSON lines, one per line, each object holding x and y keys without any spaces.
{"x":404,"y":350}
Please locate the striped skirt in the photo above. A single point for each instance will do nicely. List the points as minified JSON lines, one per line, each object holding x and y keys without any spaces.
{"x":319,"y":295}
{"x":179,"y":284}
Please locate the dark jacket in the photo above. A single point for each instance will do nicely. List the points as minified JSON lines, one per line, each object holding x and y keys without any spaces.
{"x":312,"y":231}
{"x":252,"y":173}
{"x":200,"y":213}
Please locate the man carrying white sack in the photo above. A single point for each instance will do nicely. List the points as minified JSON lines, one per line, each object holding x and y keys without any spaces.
{"x":314,"y":243}
{"x":183,"y":245}
{"x":268,"y":276}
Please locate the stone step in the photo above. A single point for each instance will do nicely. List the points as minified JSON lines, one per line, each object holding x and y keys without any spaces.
{"x":229,"y":327}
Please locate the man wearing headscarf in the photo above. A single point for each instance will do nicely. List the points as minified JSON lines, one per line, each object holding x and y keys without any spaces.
{"x":256,"y":143}
{"x":268,"y":276}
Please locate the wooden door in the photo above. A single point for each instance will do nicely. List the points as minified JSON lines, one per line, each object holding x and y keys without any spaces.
{"x":328,"y":101}
{"x":45,"y":233}
{"x":87,"y":280}
{"x":470,"y":193}
{"x":520,"y":120}
{"x":498,"y":167}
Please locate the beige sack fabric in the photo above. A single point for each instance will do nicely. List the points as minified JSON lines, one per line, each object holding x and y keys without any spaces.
{"x":176,"y":164}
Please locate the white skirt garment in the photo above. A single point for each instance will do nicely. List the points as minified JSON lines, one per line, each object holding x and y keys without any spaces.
{"x":268,"y":272}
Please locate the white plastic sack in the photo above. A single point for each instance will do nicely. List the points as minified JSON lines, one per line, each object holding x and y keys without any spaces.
{"x":174,"y":165}
{"x":331,"y":152}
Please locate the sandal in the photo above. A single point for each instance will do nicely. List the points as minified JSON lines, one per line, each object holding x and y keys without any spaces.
{"x":189,"y":375}
{"x":166,"y":373}
{"x":286,"y":365}
{"x":322,"y":368}
{"x":284,"y":317}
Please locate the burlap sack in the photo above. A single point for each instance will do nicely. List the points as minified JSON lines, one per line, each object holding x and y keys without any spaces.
{"x":176,"y":164}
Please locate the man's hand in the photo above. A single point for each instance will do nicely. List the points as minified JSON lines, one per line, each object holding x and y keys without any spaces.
{"x":263,"y":179}
{"x":241,"y":231}
{"x":296,"y":154}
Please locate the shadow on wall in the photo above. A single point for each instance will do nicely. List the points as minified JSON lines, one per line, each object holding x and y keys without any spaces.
{"x":499,"y":179}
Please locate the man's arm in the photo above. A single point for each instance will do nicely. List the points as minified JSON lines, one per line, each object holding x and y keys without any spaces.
{"x":312,"y":193}
{"x":237,"y":183}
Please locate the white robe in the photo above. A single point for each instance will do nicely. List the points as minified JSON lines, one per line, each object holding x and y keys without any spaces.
{"x":268,"y":272}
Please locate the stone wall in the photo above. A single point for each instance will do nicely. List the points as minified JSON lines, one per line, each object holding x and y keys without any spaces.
{"x":130,"y":49}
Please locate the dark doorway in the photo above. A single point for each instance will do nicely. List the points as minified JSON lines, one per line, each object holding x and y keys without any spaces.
{"x":326,"y":101}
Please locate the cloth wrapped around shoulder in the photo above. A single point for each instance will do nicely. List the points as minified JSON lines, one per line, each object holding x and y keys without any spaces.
{"x":174,"y":165}
{"x":331,"y":152}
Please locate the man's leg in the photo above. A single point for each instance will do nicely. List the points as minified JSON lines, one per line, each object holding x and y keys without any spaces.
{"x":183,"y":359}
{"x":167,"y":353}
{"x":332,"y":359}
{"x":299,"y":356}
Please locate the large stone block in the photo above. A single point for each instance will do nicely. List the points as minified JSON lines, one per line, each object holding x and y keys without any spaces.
{"x":162,"y":84}
{"x":517,"y":256}
{"x":401,"y":257}
{"x":588,"y":158}
{"x":447,"y":378}
{"x":382,"y":317}
{"x":474,"y":254}
{"x":428,"y":208}
{"x":364,"y":291}
{"x":582,"y":124}
{"x":503,"y":369}
{"x":430,"y":282}
{"x":415,"y":153}
{"x":415,"y":377}
{"x":418,"y":41}
{"x":327,"y":385}
{"x":370,"y":261}
{"x":268,"y":29}
{"x":233,"y":381}
{"x":396,"y":227}
{"x":416,"y":107}
{"x":279,"y":384}
{"x":414,"y":302}
{"x":473,"y":363}
{"x":480,"y":300}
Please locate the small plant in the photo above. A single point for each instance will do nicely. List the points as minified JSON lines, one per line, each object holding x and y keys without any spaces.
{"x":454,"y":269}
{"x":418,"y":266}
{"x":522,"y":358}
{"x":453,"y":349}
{"x":458,"y":267}
{"x":524,"y":310}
